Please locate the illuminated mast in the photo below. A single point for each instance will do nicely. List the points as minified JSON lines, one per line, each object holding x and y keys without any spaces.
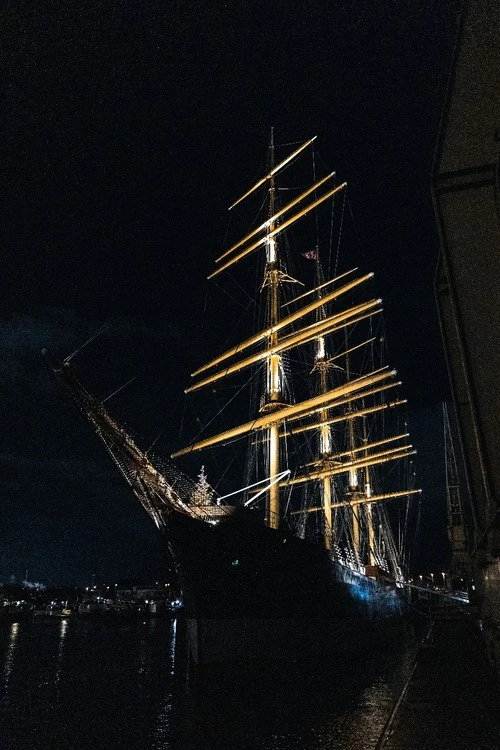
{"x":322,"y":365}
{"x":353,"y":473}
{"x":325,"y":443}
{"x":273,"y":364}
{"x":368,"y":508}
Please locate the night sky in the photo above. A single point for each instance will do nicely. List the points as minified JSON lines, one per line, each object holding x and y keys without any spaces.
{"x":127,"y":129}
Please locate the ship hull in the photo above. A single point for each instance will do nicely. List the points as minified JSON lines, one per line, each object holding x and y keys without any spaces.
{"x":252,"y":593}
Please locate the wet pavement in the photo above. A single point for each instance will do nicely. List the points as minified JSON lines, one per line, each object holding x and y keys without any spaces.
{"x":452,"y":698}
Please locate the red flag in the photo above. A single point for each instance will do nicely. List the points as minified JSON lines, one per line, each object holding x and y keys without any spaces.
{"x":311,"y":255}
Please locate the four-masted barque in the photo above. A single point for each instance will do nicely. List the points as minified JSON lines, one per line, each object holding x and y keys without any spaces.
{"x":305,"y":558}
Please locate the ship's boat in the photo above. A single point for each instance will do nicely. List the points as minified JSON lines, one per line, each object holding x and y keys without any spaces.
{"x":304,"y":552}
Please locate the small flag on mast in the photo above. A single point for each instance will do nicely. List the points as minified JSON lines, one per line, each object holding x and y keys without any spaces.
{"x":310,"y":255}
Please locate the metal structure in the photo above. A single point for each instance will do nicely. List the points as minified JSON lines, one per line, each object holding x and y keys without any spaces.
{"x":457,"y":532}
{"x":466,"y":191}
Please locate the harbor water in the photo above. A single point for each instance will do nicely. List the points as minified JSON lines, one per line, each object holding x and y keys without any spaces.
{"x":110,"y":683}
{"x":75,"y":683}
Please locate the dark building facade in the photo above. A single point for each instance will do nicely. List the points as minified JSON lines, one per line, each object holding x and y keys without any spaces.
{"x":466,"y":197}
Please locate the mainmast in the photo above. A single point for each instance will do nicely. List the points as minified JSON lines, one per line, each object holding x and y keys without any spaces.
{"x":273,"y":364}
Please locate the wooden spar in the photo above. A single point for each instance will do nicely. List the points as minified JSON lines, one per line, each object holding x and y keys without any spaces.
{"x":284,"y":413}
{"x":378,"y":498}
{"x":269,"y":222}
{"x":333,"y":323}
{"x":283,"y":323}
{"x":349,"y":351}
{"x":368,"y":446}
{"x":373,"y":460}
{"x":335,"y":457}
{"x":318,"y":288}
{"x":350,"y":399}
{"x":276,"y":231}
{"x":274,"y":171}
{"x":351,"y":415}
{"x":360,"y":501}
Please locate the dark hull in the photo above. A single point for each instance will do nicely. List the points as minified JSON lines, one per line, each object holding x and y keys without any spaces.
{"x":254,"y":593}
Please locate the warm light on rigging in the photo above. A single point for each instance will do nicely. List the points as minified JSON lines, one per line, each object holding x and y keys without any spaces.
{"x":276,"y":231}
{"x":271,"y":250}
{"x":307,"y":334}
{"x":284,"y":322}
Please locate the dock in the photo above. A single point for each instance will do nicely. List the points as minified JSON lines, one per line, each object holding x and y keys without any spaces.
{"x":451,"y":699}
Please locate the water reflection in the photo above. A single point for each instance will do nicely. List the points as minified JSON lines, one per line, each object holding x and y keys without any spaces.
{"x":60,"y":650}
{"x":143,"y":662}
{"x":342,"y":705}
{"x":9,"y":657}
{"x":162,"y":731}
{"x":162,"y":734}
{"x":173,"y":645}
{"x":126,"y":684}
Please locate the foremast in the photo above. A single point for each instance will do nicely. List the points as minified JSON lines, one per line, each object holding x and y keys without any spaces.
{"x":273,"y":397}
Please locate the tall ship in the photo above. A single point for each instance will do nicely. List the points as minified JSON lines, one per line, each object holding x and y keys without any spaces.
{"x":299,"y":547}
